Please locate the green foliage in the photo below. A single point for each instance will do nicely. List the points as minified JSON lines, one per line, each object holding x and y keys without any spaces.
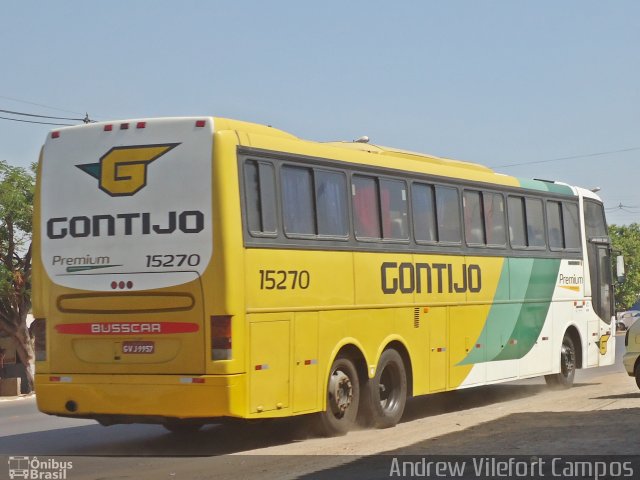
{"x":626,"y":241}
{"x":16,"y":210}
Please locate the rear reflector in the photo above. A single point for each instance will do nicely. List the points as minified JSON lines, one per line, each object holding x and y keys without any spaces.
{"x":221,"y":337}
{"x":124,"y":126}
{"x":108,"y":128}
{"x":61,"y":379}
{"x":141,"y":124}
{"x":191,"y":380}
{"x":201,"y":123}
{"x":55,"y":134}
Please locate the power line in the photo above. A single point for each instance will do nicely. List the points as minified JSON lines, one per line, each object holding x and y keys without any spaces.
{"x":41,"y":123}
{"x":39,"y":105}
{"x":568,"y":158}
{"x":623,"y":208}
{"x":41,"y":116}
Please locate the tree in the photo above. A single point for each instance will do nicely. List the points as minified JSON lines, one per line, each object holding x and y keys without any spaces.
{"x":626,"y":241}
{"x":16,"y":209}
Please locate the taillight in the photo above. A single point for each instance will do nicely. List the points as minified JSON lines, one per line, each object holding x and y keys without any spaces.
{"x":39,"y":332}
{"x":221,"y":337}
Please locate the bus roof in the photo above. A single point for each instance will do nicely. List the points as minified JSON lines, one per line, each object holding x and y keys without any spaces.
{"x":418,"y":161}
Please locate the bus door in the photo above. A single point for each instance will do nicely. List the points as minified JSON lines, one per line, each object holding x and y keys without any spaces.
{"x":599,"y":256}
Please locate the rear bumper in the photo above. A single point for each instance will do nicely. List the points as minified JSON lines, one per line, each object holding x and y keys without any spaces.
{"x":127,"y":398}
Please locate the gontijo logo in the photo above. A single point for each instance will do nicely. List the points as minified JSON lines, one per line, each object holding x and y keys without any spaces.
{"x":122,"y":171}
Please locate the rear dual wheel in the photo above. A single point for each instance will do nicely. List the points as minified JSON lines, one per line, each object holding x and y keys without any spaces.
{"x":381,"y":401}
{"x":386,"y":391}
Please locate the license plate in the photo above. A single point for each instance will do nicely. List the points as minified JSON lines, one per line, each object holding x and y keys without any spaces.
{"x":138,"y":347}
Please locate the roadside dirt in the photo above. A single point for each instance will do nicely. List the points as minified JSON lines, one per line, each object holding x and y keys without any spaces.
{"x":599,"y":416}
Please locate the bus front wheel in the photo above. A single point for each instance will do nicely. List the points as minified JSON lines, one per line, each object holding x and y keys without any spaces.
{"x":387,"y":391}
{"x":343,"y":397}
{"x":564,"y":379}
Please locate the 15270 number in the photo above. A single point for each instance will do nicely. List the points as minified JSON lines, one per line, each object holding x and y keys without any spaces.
{"x":173,"y":260}
{"x":284,"y":279}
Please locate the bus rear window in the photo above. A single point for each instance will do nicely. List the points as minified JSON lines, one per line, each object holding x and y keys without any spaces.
{"x":260,"y":197}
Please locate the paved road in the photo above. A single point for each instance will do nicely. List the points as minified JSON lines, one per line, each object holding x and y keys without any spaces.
{"x":508,"y":418}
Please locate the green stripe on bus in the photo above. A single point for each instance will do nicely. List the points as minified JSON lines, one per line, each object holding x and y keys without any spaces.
{"x":512,"y":328}
{"x":534,"y":311}
{"x":502,"y":317}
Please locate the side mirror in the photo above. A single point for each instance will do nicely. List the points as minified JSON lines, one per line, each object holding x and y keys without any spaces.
{"x":620,"y":268}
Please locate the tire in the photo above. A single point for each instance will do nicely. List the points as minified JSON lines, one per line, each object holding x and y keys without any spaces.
{"x":638,"y":375}
{"x":343,"y":397}
{"x":386,"y":392}
{"x":564,"y":379}
{"x":182,"y":428}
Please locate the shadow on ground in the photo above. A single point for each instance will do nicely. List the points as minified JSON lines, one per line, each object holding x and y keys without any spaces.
{"x":232,"y":437}
{"x":587,"y":434}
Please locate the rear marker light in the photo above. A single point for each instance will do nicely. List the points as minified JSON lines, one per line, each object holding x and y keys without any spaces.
{"x":141,"y":124}
{"x":201,"y":123}
{"x":55,"y":134}
{"x":121,"y":285}
{"x":129,"y":285}
{"x":124,"y":126}
{"x":108,"y":128}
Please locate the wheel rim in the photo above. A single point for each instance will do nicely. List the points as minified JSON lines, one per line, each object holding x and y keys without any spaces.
{"x":340,"y":393}
{"x":389,"y":388}
{"x":568,"y":360}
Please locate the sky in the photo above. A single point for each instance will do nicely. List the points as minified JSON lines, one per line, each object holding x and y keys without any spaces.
{"x":535,"y":89}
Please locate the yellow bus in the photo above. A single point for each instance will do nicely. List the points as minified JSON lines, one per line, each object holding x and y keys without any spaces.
{"x":188,"y":269}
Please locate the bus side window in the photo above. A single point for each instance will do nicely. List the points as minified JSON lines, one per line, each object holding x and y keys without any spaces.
{"x":494,"y":219}
{"x":331,"y":203}
{"x":517,"y":232}
{"x":448,"y":214}
{"x":297,"y":200}
{"x":554,"y":225}
{"x":571,"y":223}
{"x":393,"y":199}
{"x":366,"y":207}
{"x":535,"y":223}
{"x":424,"y":214}
{"x":473,"y":218}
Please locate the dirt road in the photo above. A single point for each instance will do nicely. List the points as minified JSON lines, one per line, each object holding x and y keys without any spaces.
{"x":600,"y":416}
